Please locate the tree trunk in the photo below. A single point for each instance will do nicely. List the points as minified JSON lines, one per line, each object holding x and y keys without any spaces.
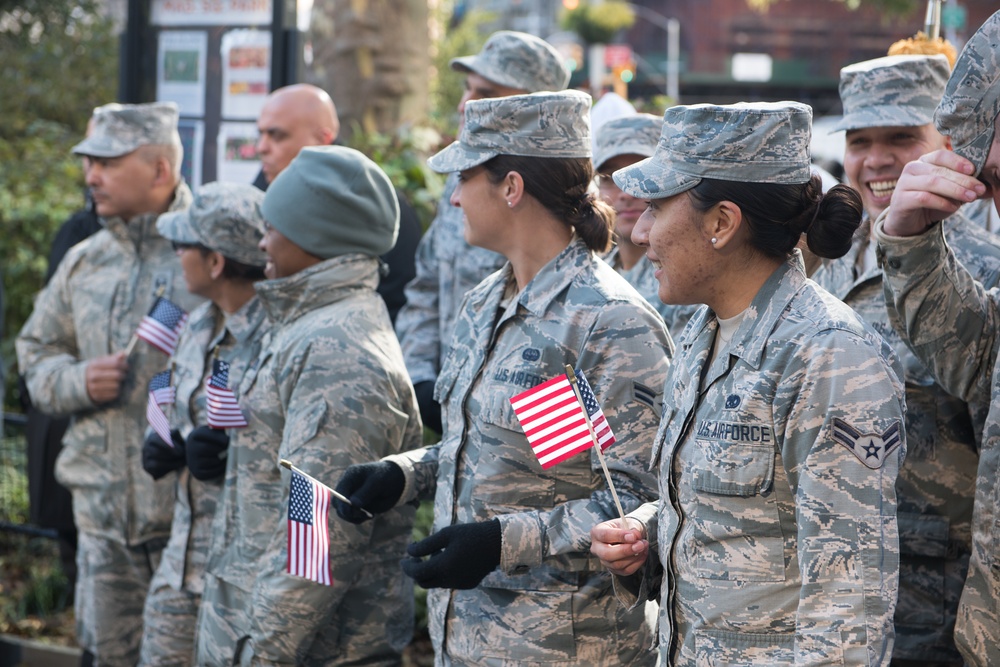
{"x":373,"y":57}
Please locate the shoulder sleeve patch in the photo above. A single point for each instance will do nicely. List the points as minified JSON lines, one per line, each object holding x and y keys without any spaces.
{"x":872,"y":449}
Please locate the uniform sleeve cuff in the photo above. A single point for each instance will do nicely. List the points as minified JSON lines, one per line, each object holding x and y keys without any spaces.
{"x":522,"y":543}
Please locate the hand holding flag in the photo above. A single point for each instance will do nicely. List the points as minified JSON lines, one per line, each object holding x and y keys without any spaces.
{"x":223,"y":410}
{"x":161,"y":393}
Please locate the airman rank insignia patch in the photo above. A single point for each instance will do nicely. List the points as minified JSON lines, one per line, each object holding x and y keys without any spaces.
{"x":871,"y":449}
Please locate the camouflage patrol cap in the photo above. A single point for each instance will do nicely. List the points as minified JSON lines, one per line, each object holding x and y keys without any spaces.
{"x":119,"y":129}
{"x":543,"y":124}
{"x":627,"y":135}
{"x":224,"y":217}
{"x":894,"y":91}
{"x":755,"y":142}
{"x":517,"y":60}
{"x":971,"y":101}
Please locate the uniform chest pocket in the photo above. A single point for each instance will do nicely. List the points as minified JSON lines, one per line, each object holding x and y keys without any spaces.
{"x":735,"y":521}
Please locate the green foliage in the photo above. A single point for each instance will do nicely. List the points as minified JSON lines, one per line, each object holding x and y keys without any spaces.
{"x":59,"y":61}
{"x":403,"y":156}
{"x":598,"y":24}
{"x":465,"y":39}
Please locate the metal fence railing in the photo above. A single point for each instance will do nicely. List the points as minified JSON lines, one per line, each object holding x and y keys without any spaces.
{"x":14,"y":509}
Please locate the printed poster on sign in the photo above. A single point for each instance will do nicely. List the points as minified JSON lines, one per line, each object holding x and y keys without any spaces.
{"x":193,"y":140}
{"x":237,"y":152}
{"x":180,"y":70}
{"x":246,"y":73}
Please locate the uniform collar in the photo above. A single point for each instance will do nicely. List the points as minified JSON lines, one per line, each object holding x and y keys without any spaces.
{"x":287,"y":299}
{"x":555,"y":276}
{"x":242,"y":324}
{"x":143,"y":227}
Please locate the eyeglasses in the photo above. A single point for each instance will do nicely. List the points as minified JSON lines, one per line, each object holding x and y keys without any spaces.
{"x":604,"y":181}
{"x":178,"y":246}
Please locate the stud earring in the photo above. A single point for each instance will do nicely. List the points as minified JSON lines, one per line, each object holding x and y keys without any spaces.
{"x":714,"y":240}
{"x":510,"y":204}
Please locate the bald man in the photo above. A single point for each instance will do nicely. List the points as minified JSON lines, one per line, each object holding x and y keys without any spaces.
{"x":303,"y":115}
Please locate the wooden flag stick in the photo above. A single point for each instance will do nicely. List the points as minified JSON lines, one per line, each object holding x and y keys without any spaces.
{"x":593,"y":436}
{"x":285,"y":463}
{"x":170,"y":407}
{"x":131,"y":345}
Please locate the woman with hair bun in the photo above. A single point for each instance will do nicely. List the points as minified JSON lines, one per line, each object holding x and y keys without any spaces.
{"x":508,"y":565}
{"x":774,"y":541}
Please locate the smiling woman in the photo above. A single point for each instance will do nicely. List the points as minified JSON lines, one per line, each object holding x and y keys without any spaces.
{"x":762,"y":556}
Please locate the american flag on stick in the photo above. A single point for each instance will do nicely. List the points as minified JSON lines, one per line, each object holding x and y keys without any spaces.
{"x":554,"y":421}
{"x":308,"y":535}
{"x":160,"y":393}
{"x":162,"y":326}
{"x":223,"y":410}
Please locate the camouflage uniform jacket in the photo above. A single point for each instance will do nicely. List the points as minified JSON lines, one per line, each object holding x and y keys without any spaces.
{"x":237,"y":337}
{"x":102,"y":289}
{"x":778,"y":542}
{"x":447,"y":267}
{"x":934,"y":502}
{"x":549,"y":600}
{"x":642,"y":278}
{"x":952,"y":323}
{"x":329,"y":389}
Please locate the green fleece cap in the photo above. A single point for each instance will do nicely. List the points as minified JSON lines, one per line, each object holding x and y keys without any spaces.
{"x":332,"y":200}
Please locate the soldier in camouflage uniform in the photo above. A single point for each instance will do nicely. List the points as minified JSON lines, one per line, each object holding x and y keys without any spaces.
{"x":950,"y":320}
{"x":329,"y":389}
{"x":216,"y":240}
{"x":71,"y":350}
{"x":889,"y":106}
{"x":447,"y":266}
{"x":774,"y":541}
{"x":622,"y":142}
{"x":515,"y":583}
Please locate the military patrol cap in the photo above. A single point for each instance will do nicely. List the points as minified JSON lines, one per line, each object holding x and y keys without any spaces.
{"x":546,"y":124}
{"x":756,"y":142}
{"x":971,"y":102}
{"x":224,"y":217}
{"x":628,"y":135}
{"x":894,"y":91}
{"x":517,"y":60}
{"x":119,"y":129}
{"x":332,"y":200}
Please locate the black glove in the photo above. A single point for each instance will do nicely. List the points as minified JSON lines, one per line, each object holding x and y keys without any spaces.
{"x":206,"y":452}
{"x":430,"y":410}
{"x":373,"y":486}
{"x":460,"y":556}
{"x":159,"y":458}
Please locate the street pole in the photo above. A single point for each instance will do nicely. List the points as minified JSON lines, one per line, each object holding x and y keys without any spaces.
{"x":672,"y":27}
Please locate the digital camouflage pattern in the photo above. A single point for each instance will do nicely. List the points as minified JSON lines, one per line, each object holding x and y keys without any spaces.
{"x":549,"y":601}
{"x":753,"y":142}
{"x":119,"y":129}
{"x":517,"y":60}
{"x":446,"y":268}
{"x":637,"y":134}
{"x":224,"y":217}
{"x":894,"y":91}
{"x":552,"y":125}
{"x":971,"y":101}
{"x":934,"y":506}
{"x":952,"y":323}
{"x":171,"y":609}
{"x":102,"y":289}
{"x":328,"y":390}
{"x":774,"y":540}
{"x":642,"y":278}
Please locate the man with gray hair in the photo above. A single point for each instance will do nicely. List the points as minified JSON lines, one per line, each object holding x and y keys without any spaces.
{"x":888,"y":111}
{"x":510,"y":63}
{"x":949,"y":318}
{"x":72,"y":351}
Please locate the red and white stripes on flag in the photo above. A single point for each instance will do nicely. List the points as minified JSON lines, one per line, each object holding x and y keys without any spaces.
{"x":223,"y":410}
{"x":160,"y":393}
{"x":554,"y":422}
{"x":308,"y":529}
{"x":163,"y":325}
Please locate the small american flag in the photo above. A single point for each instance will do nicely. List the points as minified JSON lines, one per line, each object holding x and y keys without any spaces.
{"x":160,"y":394}
{"x":163,"y":325}
{"x":554,"y":422}
{"x":308,"y":536}
{"x":223,"y":410}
